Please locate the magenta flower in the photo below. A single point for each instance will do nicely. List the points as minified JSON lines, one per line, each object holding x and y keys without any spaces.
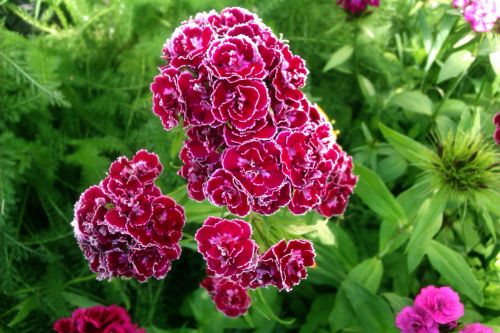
{"x":496,"y":121}
{"x":227,"y":247}
{"x":416,"y":320}
{"x":357,"y":7}
{"x":443,"y":304}
{"x":111,"y":319}
{"x":229,"y":297}
{"x":476,"y":328}
{"x":286,"y":263}
{"x":481,"y":14}
{"x":125,"y":226}
{"x":235,"y":87}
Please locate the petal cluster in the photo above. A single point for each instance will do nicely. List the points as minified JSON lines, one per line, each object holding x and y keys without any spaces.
{"x":481,"y":14}
{"x":236,"y":88}
{"x":233,"y":259}
{"x":110,"y":319}
{"x":436,"y":309}
{"x":125,"y":226}
{"x":357,"y":7}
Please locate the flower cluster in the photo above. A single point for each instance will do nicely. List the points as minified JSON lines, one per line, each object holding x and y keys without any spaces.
{"x":254,"y":141}
{"x":436,"y":309}
{"x":234,"y":263}
{"x":102,"y":319}
{"x":496,"y":121}
{"x":125,"y":226}
{"x":357,"y":7}
{"x":481,"y":14}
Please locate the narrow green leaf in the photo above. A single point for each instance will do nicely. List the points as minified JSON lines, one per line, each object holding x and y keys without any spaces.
{"x":413,"y":151}
{"x":366,"y":86}
{"x":443,"y":30}
{"x":23,"y":310}
{"x":339,"y":57}
{"x":368,"y":273}
{"x":454,"y":269}
{"x":261,"y":305}
{"x":372,"y":190}
{"x":78,"y":300}
{"x":372,"y":312}
{"x":427,"y":224}
{"x":413,"y":101}
{"x":343,"y":314}
{"x":456,"y":64}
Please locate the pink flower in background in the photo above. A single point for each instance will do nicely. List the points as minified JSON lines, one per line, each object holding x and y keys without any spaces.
{"x":236,"y":88}
{"x":496,"y":121}
{"x":102,"y":319}
{"x":481,"y":14}
{"x":226,"y":245}
{"x":125,"y":226}
{"x":357,"y":7}
{"x":442,"y":303}
{"x":229,"y":297}
{"x":416,"y":320}
{"x":476,"y":328}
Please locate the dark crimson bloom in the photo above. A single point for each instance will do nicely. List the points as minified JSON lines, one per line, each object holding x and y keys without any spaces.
{"x":496,"y":121}
{"x":166,"y":103}
{"x":224,"y":190}
{"x":229,"y":297}
{"x":254,"y":140}
{"x":125,"y":226}
{"x":286,"y":263}
{"x":256,"y":164}
{"x":357,"y":7}
{"x":227,"y":246}
{"x":443,"y":304}
{"x":242,"y":103}
{"x":98,"y":319}
{"x":235,"y":58}
{"x":416,"y":320}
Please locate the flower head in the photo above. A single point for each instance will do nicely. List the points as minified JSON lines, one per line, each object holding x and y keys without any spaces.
{"x":416,"y":320}
{"x":357,"y":7}
{"x":496,"y":121}
{"x":125,"y":226}
{"x":476,"y":328}
{"x":481,"y":14}
{"x":442,"y":303}
{"x":229,"y":297}
{"x":110,"y":319}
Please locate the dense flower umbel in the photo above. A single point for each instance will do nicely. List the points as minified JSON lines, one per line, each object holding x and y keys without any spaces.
{"x":357,"y":7}
{"x":232,"y":258}
{"x":97,"y":319}
{"x":236,"y":87}
{"x":481,"y":14}
{"x":125,"y":226}
{"x":436,"y":310}
{"x":496,"y":121}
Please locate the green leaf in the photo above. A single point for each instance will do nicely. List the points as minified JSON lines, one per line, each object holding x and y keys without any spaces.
{"x":372,"y":312}
{"x":495,"y":62}
{"x":454,"y":269}
{"x":428,"y":222}
{"x":261,"y":305}
{"x":413,"y":101}
{"x":413,"y":151}
{"x":78,"y":300}
{"x":343,"y":314}
{"x":367,"y":88}
{"x":368,"y":273}
{"x":372,"y":190}
{"x":397,"y":302}
{"x":456,"y":64}
{"x":339,"y":57}
{"x":443,"y":30}
{"x":23,"y":310}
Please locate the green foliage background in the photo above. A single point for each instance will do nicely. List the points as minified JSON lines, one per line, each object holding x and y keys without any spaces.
{"x":74,"y":95}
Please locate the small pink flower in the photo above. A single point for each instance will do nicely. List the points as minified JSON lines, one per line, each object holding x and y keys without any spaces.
{"x":235,"y":58}
{"x":481,"y":14}
{"x":229,"y":17}
{"x":286,"y":262}
{"x":476,"y":328}
{"x":357,"y":7}
{"x":241,"y":103}
{"x":263,"y":129}
{"x":222,"y":189}
{"x":166,"y":98}
{"x":111,"y":319}
{"x":290,"y":76}
{"x":416,"y":320}
{"x":229,"y":297}
{"x":496,"y":121}
{"x":227,"y":246}
{"x":443,"y":304}
{"x":256,"y":165}
{"x":269,"y":204}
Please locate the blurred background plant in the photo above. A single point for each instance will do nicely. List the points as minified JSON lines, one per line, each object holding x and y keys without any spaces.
{"x":411,"y":88}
